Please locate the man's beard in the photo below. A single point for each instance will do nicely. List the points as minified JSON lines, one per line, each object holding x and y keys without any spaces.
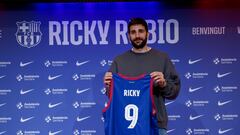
{"x":141,"y":45}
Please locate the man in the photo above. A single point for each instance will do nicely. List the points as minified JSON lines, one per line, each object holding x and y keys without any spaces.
{"x":142,"y":59}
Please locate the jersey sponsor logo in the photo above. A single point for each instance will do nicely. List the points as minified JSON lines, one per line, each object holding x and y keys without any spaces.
{"x":50,"y":105}
{"x":222,"y":75}
{"x":193,"y":61}
{"x":220,"y":131}
{"x":81,"y":63}
{"x":25,"y":64}
{"x":223,"y":103}
{"x":194,"y":89}
{"x":28,"y":33}
{"x":22,"y":92}
{"x":194,"y":117}
{"x":53,"y":77}
{"x":26,"y":119}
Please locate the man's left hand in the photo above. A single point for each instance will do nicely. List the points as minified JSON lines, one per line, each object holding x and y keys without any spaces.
{"x":158,"y":78}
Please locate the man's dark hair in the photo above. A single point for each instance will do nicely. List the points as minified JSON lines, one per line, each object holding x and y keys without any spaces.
{"x":135,"y":21}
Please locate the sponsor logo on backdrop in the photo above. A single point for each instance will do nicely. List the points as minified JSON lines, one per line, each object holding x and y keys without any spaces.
{"x":23,"y":92}
{"x":217,"y":61}
{"x":168,"y":103}
{"x":191,"y":90}
{"x":23,"y":120}
{"x":76,"y":132}
{"x":5,"y":119}
{"x":188,"y":75}
{"x":75,"y":77}
{"x":51,"y":105}
{"x":80,"y":119}
{"x":27,"y":132}
{"x":221,"y":75}
{"x":2,"y":76}
{"x":47,"y":63}
{"x":170,"y":130}
{"x":5,"y":91}
{"x":78,"y":63}
{"x":65,"y":33}
{"x":55,"y":91}
{"x":222,"y":103}
{"x":104,"y":62}
{"x":28,"y":33}
{"x":54,"y":132}
{"x":189,"y":131}
{"x":79,"y":91}
{"x":223,"y":131}
{"x":218,"y":88}
{"x":102,"y":118}
{"x":191,"y":117}
{"x":83,"y":76}
{"x":47,"y":91}
{"x":29,"y":105}
{"x":55,"y":63}
{"x":198,"y":131}
{"x":3,"y":132}
{"x":81,"y":104}
{"x":208,"y":30}
{"x":196,"y":75}
{"x":51,"y":77}
{"x":103,"y":91}
{"x":20,"y":132}
{"x":19,"y":105}
{"x":5,"y":63}
{"x":174,"y":117}
{"x":20,"y":77}
{"x":225,"y":117}
{"x":24,"y":64}
{"x":55,"y":119}
{"x":191,"y":61}
{"x":175,"y":61}
{"x":2,"y":104}
{"x":84,"y":132}
{"x":197,"y":103}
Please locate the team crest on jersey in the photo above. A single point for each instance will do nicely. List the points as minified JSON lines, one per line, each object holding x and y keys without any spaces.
{"x":28,"y":33}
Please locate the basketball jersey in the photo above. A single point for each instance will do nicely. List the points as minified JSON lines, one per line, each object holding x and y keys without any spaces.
{"x":130,"y":110}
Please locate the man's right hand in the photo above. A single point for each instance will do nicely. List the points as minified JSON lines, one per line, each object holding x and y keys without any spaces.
{"x":107,"y":78}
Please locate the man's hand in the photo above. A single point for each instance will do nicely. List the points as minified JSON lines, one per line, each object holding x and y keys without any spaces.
{"x":107,"y":78}
{"x":158,"y":78}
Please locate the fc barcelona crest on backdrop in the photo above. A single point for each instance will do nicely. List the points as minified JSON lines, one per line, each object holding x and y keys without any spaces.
{"x":28,"y":33}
